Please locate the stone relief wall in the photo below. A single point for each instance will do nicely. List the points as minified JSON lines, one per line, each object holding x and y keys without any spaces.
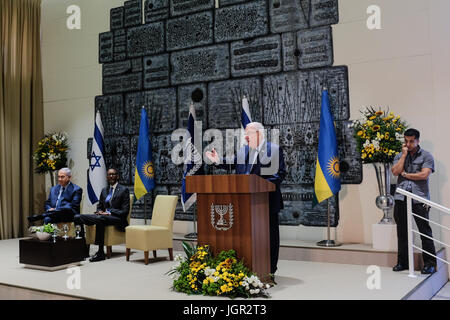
{"x":279,"y":53}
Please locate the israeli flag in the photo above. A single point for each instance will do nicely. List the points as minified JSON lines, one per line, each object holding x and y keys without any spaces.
{"x":97,"y":168}
{"x":192,"y":162}
{"x":246,"y":118}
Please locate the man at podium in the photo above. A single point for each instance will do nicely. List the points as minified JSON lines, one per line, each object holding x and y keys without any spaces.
{"x":266,"y":160}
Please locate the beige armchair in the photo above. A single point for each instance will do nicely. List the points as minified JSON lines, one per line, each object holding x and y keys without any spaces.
{"x":159,"y":234}
{"x":112,"y":235}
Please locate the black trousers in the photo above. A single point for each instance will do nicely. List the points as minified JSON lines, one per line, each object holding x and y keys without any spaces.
{"x":400,"y":216}
{"x":100,"y":223}
{"x":55,"y":216}
{"x":274,"y":231}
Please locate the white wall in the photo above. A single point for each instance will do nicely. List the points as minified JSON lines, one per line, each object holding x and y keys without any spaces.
{"x":404,"y":66}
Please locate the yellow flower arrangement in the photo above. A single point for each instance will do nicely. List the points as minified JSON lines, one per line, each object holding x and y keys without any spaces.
{"x":224,"y":275}
{"x":379,"y":136}
{"x":51,"y":153}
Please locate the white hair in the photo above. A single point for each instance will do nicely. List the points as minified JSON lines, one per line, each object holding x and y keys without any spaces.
{"x":66,"y":171}
{"x":256,"y":125}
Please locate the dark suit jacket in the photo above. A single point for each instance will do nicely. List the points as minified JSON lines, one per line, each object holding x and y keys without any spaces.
{"x":120,"y":204}
{"x":275,"y":198}
{"x":71,"y":198}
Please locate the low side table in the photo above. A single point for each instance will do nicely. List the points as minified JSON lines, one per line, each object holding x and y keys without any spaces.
{"x":49,"y":255}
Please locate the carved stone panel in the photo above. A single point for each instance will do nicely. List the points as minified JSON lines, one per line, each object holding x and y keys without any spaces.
{"x":223,"y":3}
{"x":156,"y":71}
{"x":316,"y":48}
{"x":298,"y":208}
{"x":189,"y":31}
{"x":122,"y":83}
{"x":241,"y":21}
{"x":200,"y":64}
{"x":105,"y":47}
{"x":156,"y":10}
{"x":120,"y":44}
{"x":145,"y":40}
{"x":116,"y":68}
{"x":257,"y":56}
{"x":225,"y":102}
{"x":292,"y":15}
{"x":290,"y":51}
{"x":161,"y":110}
{"x":167,"y":172}
{"x":197,"y":93}
{"x":117,"y":155}
{"x":133,"y":13}
{"x":136,"y":65}
{"x":295,"y":97}
{"x":116,"y":18}
{"x":111,"y":113}
{"x":351,"y":165}
{"x":181,"y":7}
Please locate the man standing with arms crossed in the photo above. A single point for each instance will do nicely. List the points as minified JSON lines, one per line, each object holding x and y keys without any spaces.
{"x":413,"y":167}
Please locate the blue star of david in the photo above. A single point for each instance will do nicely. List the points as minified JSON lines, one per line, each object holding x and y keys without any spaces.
{"x":97,"y":161}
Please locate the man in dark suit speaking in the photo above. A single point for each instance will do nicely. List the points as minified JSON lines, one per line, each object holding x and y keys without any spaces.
{"x":266,"y":160}
{"x":63,"y":201}
{"x":112,"y":209}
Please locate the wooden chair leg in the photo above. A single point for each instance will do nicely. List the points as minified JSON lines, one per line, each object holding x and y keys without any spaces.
{"x":146,"y":257}
{"x":108,"y":251}
{"x":128,"y":254}
{"x":154,"y":254}
{"x":171,"y":254}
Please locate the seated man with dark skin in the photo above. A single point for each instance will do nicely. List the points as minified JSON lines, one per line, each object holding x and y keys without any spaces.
{"x":112,"y":209}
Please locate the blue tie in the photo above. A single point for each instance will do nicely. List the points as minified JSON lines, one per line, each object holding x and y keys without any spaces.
{"x":58,"y":202}
{"x":108,"y":198}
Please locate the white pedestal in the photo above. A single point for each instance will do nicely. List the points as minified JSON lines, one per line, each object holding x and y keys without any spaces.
{"x":384,"y":237}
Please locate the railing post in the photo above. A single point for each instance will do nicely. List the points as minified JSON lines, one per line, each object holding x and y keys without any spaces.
{"x":410,"y":237}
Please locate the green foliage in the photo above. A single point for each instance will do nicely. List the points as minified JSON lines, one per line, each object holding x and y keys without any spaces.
{"x":379,"y":136}
{"x":202,"y":273}
{"x":48,"y":228}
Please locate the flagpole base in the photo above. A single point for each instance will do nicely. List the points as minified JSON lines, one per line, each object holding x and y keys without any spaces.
{"x":328,"y":243}
{"x":192,"y":235}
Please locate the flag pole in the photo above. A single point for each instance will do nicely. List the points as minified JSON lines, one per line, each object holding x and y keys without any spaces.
{"x":145,"y":210}
{"x":193,"y":235}
{"x":328,"y":243}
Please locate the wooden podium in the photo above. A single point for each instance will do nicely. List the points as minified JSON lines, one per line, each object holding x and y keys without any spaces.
{"x":233,"y":213}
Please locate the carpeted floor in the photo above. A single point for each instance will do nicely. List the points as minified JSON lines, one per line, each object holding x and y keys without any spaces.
{"x":118,"y":279}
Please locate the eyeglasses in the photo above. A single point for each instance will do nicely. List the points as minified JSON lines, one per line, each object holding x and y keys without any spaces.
{"x":112,"y":174}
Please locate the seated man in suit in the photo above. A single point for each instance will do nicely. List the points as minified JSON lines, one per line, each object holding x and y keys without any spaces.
{"x":266,"y":160}
{"x":63,"y":201}
{"x":112,"y":209}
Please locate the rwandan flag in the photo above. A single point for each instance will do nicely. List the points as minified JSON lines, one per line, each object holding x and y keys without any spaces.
{"x":327,"y":181}
{"x":144,"y":175}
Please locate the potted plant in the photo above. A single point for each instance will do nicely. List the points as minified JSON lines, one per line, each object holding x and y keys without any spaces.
{"x":202,"y":273}
{"x":43,"y":232}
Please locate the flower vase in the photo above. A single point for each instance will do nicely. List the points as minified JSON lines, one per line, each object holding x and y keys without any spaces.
{"x":385,"y":201}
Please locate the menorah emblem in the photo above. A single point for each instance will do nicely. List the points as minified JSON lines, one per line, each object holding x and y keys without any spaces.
{"x":222,"y":210}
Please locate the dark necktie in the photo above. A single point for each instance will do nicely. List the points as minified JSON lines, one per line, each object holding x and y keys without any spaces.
{"x":108,"y":198}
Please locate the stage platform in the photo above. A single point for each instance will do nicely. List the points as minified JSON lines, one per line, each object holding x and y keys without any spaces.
{"x":116,"y":278}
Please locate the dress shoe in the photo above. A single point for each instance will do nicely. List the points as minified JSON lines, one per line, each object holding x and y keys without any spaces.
{"x":98,"y":257}
{"x":400,"y":267}
{"x":33,"y":218}
{"x":428,"y":269}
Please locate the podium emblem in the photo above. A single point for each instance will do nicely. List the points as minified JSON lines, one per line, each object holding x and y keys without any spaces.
{"x":219,"y":211}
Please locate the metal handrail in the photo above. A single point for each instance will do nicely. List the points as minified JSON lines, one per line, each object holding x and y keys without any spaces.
{"x":409,"y":197}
